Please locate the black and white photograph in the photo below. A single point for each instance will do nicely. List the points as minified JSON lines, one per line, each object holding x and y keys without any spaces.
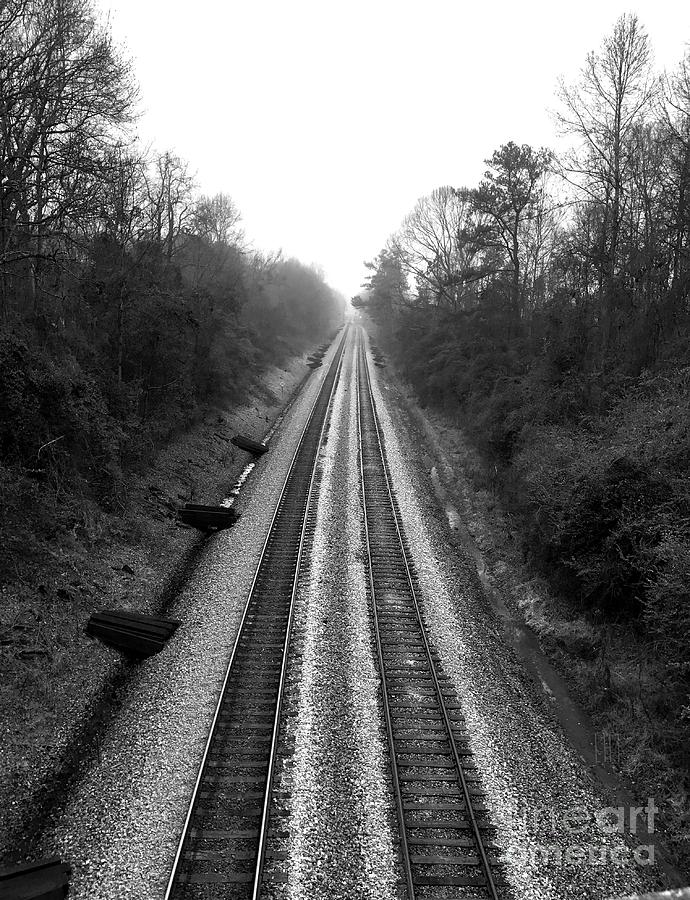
{"x":344,"y":450}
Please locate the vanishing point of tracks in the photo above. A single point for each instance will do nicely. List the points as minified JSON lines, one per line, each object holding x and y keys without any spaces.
{"x":445,"y":841}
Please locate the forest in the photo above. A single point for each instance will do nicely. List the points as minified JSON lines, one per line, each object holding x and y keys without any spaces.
{"x":129,"y":301}
{"x":547,"y":310}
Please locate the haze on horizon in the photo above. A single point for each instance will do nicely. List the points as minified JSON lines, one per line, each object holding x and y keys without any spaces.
{"x":326,"y":122}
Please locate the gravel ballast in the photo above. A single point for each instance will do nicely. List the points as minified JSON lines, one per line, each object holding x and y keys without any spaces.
{"x":339,"y":815}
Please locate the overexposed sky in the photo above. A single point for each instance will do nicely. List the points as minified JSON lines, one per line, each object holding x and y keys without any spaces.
{"x":325,"y":121}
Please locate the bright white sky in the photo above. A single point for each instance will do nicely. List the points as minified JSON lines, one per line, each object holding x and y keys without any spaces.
{"x":325,"y":121}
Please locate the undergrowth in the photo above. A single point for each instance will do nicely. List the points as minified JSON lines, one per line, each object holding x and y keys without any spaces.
{"x":594,"y":470}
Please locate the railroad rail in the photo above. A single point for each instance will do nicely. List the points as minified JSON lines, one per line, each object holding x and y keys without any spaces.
{"x":445,"y":838}
{"x":223,"y":844}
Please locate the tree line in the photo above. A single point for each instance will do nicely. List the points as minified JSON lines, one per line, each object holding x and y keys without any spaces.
{"x":548,"y":308}
{"x":128,"y":299}
{"x":598,"y":236}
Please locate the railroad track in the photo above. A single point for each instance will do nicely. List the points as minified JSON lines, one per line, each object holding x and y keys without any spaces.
{"x":445,"y":838}
{"x":223,"y":845}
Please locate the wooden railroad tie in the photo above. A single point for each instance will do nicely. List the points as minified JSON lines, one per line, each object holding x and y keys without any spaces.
{"x":134,"y":633}
{"x":258,"y":448}
{"x":47,"y":879}
{"x":207,"y":518}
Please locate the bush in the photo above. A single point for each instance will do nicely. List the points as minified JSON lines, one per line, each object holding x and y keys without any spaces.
{"x":54,"y":421}
{"x":497,"y":421}
{"x":27,"y":515}
{"x":667,"y":612}
{"x":609,"y":533}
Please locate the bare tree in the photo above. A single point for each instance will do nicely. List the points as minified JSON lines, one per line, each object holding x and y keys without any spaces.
{"x":675,"y":113}
{"x":437,"y":245}
{"x":509,"y":196}
{"x":602,"y":110}
{"x":217,"y":219}
{"x":170,"y":194}
{"x":65,"y":95}
{"x":122,"y":226}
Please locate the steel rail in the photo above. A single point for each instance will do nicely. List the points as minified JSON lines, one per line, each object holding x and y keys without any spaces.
{"x":336,"y":364}
{"x":397,"y":793}
{"x":462,"y":780}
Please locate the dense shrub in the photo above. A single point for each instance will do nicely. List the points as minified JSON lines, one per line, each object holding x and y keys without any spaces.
{"x":27,"y":516}
{"x":667,"y":607}
{"x":609,"y":532}
{"x":595,"y":463}
{"x":54,"y":422}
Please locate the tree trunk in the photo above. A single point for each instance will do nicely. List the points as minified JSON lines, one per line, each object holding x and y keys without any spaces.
{"x":120,"y":332}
